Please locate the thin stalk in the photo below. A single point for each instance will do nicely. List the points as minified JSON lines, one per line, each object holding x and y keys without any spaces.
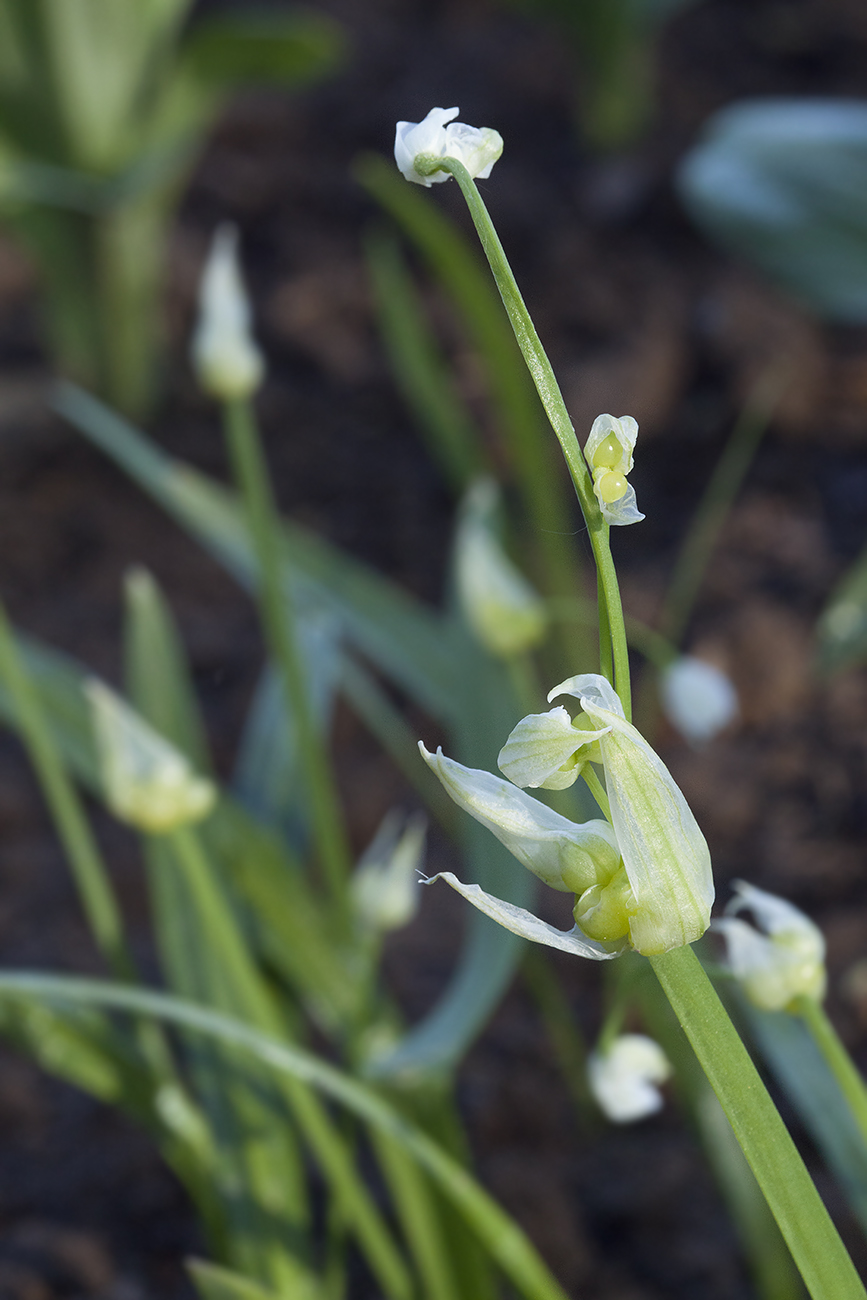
{"x":555,"y":408}
{"x":79,"y":844}
{"x":710,"y":515}
{"x":251,"y":476}
{"x":838,"y":1060}
{"x":813,"y":1240}
{"x":597,"y":789}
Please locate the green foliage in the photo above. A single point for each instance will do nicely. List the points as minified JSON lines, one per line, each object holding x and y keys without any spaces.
{"x":783,"y":183}
{"x":842,"y":627}
{"x":104,"y":105}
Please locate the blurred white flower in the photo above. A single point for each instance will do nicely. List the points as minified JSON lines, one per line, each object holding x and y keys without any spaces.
{"x":784,"y":962}
{"x":608,"y":452}
{"x":697,"y":698}
{"x":478,"y":148}
{"x":624,"y":1080}
{"x":227,"y":361}
{"x":502,"y":609}
{"x":384,"y":885}
{"x":147,"y":782}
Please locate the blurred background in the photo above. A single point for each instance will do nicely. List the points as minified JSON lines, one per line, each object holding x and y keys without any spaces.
{"x":656,"y":296}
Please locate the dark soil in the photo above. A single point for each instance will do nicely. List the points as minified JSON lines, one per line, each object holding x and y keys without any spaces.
{"x":641,"y":317}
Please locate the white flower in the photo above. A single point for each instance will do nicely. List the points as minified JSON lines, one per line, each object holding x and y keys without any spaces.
{"x":478,"y":148}
{"x":665,"y":856}
{"x":697,"y":698}
{"x":147,"y":782}
{"x":608,"y":452}
{"x":500,"y":606}
{"x":384,"y":885}
{"x":226,"y":359}
{"x":786,"y":962}
{"x":568,"y":856}
{"x":624,"y":1079}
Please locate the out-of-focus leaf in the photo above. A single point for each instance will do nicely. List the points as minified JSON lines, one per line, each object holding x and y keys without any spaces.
{"x":214,"y":1282}
{"x":841,"y":633}
{"x":268,"y":47}
{"x":783,"y":183}
{"x":801,"y":1071}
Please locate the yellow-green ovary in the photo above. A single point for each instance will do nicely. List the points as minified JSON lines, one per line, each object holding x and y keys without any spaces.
{"x":608,"y":454}
{"x":603,"y":911}
{"x":611,"y":486}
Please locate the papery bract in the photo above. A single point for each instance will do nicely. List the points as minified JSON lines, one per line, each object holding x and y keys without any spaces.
{"x":438,"y":136}
{"x":785,"y":962}
{"x":624,"y":1079}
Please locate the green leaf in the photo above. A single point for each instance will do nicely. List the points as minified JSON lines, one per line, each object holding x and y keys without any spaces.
{"x":505,"y":1241}
{"x":783,"y":183}
{"x":214,"y":1282}
{"x":288,"y":48}
{"x":841,"y":633}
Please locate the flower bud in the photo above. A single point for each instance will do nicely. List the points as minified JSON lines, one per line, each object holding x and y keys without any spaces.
{"x":478,"y":148}
{"x":623,"y":1080}
{"x":384,"y":885}
{"x":146,"y":781}
{"x":502,"y":609}
{"x":785,"y":962}
{"x":608,"y":452}
{"x":225,"y":357}
{"x":665,"y":855}
{"x":698,"y":699}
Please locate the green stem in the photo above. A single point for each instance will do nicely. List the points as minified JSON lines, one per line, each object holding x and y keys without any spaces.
{"x":839,"y":1061}
{"x":813,"y":1240}
{"x":597,"y":789}
{"x":79,"y":844}
{"x":555,"y":408}
{"x":251,"y":476}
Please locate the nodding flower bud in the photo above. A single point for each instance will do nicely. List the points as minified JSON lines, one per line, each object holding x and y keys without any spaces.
{"x":502,"y":609}
{"x":698,"y":699}
{"x":478,"y":148}
{"x":147,"y":783}
{"x":783,"y":960}
{"x":608,"y":452}
{"x":625,"y":1078}
{"x":226,"y":359}
{"x":384,"y":885}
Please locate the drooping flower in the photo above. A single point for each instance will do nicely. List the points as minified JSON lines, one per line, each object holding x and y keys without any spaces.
{"x":502,"y":609}
{"x":643,"y":881}
{"x":697,"y":698}
{"x":624,"y":1079}
{"x":438,"y":136}
{"x":148,"y":783}
{"x":665,"y":856}
{"x":783,"y":960}
{"x":608,"y":452}
{"x":227,"y":361}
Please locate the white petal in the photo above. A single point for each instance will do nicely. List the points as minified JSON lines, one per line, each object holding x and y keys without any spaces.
{"x":697,"y":698}
{"x":569,"y":856}
{"x":539,"y":746}
{"x":525,"y":924}
{"x":227,"y":361}
{"x":591,"y":686}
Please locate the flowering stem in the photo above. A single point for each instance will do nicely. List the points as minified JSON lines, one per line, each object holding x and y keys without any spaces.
{"x":597,"y":789}
{"x":836,"y":1057}
{"x":813,"y":1240}
{"x":555,"y":408}
{"x":251,"y":475}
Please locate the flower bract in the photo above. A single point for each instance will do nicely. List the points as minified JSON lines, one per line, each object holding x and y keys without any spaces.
{"x":438,"y":136}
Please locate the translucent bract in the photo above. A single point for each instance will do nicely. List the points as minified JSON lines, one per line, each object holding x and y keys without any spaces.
{"x":608,"y":452}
